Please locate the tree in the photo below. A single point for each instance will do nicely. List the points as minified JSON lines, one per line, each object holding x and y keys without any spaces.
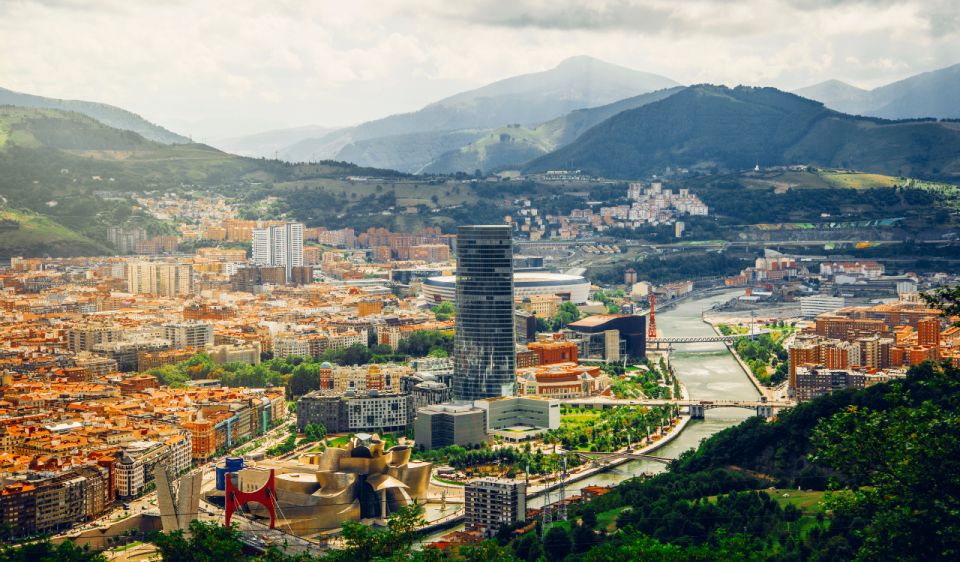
{"x":305,"y":378}
{"x":364,"y":544}
{"x":208,"y":542}
{"x":443,"y":311}
{"x":904,"y":464}
{"x":315,"y":431}
{"x":589,"y":517}
{"x":45,"y":551}
{"x":567,"y":313}
{"x":422,"y":342}
{"x":557,"y":543}
{"x":946,"y":299}
{"x":583,"y":538}
{"x":528,"y":547}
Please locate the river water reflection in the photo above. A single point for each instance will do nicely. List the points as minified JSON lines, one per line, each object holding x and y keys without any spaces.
{"x":709,"y":373}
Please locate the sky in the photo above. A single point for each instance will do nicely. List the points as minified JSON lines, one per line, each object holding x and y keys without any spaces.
{"x":213,"y":69}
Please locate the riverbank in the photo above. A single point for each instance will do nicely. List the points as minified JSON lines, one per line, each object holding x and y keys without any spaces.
{"x":764,"y":391}
{"x":453,"y":520}
{"x":674,"y":432}
{"x":706,"y":372}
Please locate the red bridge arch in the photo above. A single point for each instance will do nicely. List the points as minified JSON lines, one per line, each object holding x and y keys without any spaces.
{"x":266,"y":495}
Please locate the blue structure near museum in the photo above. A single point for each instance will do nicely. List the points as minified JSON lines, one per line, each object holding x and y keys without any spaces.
{"x":232,"y":464}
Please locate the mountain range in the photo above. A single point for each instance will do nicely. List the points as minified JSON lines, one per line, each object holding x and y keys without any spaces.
{"x":513,"y":145}
{"x":453,"y":122}
{"x":507,"y":123}
{"x":106,"y":114}
{"x":931,"y":94}
{"x":715,"y":128}
{"x":269,"y":143}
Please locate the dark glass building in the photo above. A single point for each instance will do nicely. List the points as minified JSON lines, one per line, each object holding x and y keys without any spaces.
{"x":484,"y":361}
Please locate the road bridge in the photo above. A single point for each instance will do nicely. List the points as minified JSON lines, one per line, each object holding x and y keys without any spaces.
{"x":701,"y":339}
{"x":595,"y":455}
{"x":696,"y":408}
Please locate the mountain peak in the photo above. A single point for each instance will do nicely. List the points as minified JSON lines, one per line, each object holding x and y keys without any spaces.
{"x":580,"y":61}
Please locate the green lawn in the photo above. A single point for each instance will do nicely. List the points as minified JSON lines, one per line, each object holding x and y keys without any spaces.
{"x":608,"y":519}
{"x":445,"y":481}
{"x":807,"y":502}
{"x":857,"y":180}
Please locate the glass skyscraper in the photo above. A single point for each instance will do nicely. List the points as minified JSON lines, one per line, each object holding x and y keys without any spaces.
{"x":484,"y":360}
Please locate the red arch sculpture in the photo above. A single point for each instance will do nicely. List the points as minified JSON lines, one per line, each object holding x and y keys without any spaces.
{"x":265,"y":496}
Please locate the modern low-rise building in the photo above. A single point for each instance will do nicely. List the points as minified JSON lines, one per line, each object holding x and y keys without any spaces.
{"x":610,"y":337}
{"x":442,"y":425}
{"x":526,"y":411}
{"x":371,"y":411}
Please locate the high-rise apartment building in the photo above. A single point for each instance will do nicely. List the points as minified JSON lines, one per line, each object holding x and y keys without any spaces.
{"x":928,"y":332}
{"x":491,"y":503}
{"x":483,"y":349}
{"x":280,"y":245}
{"x":159,"y":278}
{"x":189,"y":334}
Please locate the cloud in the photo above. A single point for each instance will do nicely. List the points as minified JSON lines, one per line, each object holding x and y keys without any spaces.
{"x":217,"y":68}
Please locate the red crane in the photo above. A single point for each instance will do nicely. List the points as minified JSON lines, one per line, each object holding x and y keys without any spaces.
{"x":652,"y":326}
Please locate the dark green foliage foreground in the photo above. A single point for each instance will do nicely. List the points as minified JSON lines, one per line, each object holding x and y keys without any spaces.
{"x":45,"y":551}
{"x":889,"y":457}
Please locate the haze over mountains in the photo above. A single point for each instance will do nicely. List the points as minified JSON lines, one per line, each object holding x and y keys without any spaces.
{"x":528,"y":99}
{"x":268,"y":143}
{"x":506,"y":124}
{"x":931,"y":94}
{"x":513,"y":145}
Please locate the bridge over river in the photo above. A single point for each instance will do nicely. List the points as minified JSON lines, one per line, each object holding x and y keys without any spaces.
{"x":701,"y":339}
{"x":695,"y":408}
{"x":607,"y":456}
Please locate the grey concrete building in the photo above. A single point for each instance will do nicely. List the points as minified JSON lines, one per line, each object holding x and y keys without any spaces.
{"x":441,"y":425}
{"x":528,"y":411}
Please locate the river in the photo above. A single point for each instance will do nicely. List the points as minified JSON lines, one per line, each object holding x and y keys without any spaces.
{"x":709,"y":373}
{"x":707,"y":370}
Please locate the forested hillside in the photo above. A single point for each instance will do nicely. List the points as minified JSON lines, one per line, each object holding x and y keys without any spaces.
{"x":714,"y":129}
{"x":107,"y":114}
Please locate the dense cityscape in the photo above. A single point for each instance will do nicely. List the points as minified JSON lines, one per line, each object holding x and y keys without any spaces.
{"x":579,"y":314}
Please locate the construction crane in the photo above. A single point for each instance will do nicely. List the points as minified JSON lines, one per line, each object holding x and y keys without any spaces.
{"x":652,"y":326}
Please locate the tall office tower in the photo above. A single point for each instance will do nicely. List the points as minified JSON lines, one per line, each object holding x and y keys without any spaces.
{"x":279,"y":245}
{"x":484,"y":362}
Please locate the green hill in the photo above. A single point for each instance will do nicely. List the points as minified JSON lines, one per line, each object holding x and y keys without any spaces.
{"x":513,"y":145}
{"x":29,"y":234}
{"x":63,"y":166}
{"x":106,"y":114}
{"x":714,"y":129}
